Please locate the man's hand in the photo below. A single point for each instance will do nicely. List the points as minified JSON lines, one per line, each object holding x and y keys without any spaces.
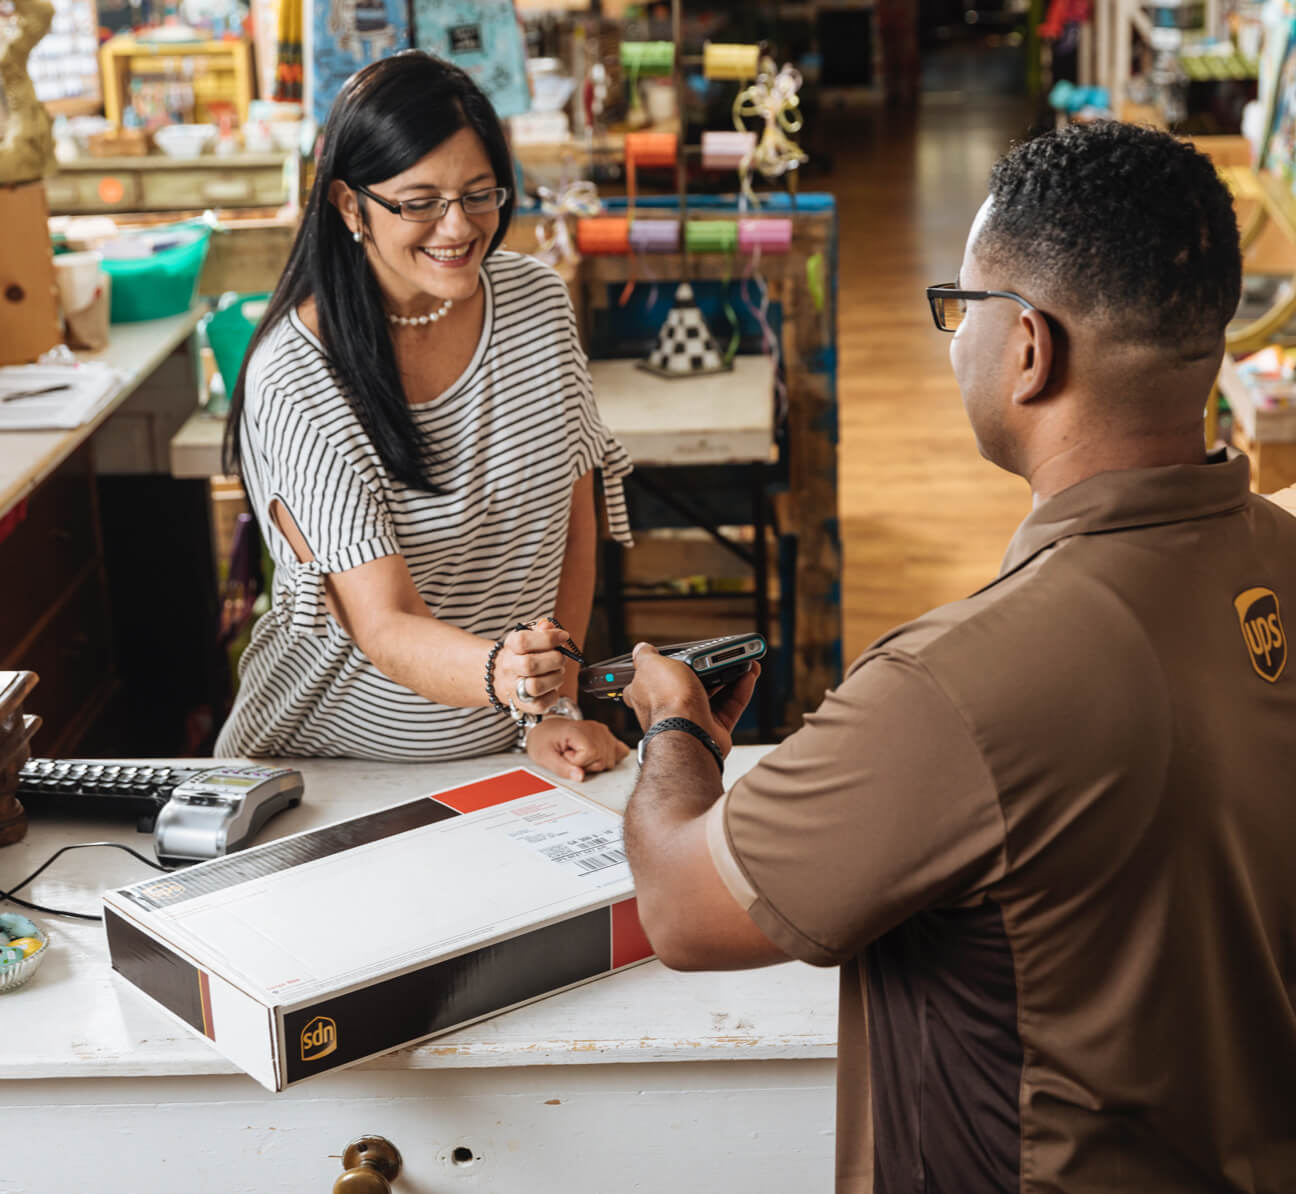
{"x":664,"y":687}
{"x":571,"y":748}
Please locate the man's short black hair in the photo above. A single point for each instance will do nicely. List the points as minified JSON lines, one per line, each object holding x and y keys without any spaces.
{"x":1126,"y":225}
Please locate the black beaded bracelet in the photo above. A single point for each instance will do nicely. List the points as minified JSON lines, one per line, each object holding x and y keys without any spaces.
{"x":496,"y":703}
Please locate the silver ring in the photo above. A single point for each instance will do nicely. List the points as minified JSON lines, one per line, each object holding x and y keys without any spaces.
{"x":524,"y":720}
{"x":521,"y":690}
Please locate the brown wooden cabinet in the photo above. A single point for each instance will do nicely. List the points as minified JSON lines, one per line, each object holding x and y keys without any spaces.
{"x":54,"y":611}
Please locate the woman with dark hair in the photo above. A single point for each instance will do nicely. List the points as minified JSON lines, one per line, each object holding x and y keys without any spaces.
{"x":416,"y":431}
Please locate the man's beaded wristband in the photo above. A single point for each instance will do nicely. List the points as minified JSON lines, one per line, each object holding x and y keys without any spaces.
{"x":688,"y":727}
{"x":496,"y":703}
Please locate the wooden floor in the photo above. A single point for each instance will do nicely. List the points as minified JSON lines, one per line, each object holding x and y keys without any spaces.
{"x":924,"y":519}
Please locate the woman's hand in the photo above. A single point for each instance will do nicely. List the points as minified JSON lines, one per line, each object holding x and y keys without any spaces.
{"x":571,"y":748}
{"x":529,"y":662}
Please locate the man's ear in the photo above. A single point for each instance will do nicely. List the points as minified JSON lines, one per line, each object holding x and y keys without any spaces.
{"x":343,"y":198}
{"x":1034,"y":356}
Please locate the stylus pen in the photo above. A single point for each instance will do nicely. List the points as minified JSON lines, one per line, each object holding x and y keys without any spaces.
{"x":572,"y":653}
{"x":16,"y":394}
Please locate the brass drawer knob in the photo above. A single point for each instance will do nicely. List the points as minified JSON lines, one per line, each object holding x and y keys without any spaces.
{"x":369,"y":1165}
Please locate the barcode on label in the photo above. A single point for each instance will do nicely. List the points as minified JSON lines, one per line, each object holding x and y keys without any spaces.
{"x":599,"y":862}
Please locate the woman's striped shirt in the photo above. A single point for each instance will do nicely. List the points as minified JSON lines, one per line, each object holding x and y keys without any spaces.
{"x":506,"y":443}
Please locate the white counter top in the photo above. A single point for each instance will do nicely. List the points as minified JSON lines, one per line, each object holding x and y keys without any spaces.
{"x":136,"y":349}
{"x":78,"y":1019}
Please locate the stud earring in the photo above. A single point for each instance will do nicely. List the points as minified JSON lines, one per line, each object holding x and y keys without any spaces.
{"x":357,"y":237}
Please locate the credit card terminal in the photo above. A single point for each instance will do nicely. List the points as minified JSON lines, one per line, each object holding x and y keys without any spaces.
{"x":717,"y":661}
{"x":221,"y":810}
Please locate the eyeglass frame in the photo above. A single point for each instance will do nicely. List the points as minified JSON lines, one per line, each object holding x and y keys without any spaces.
{"x":948,"y":290}
{"x":398,"y":208}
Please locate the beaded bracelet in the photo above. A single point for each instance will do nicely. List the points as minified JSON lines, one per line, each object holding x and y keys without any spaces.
{"x":496,"y":703}
{"x":571,"y":651}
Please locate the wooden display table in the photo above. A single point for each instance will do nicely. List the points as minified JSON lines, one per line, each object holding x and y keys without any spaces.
{"x":645,"y":1079}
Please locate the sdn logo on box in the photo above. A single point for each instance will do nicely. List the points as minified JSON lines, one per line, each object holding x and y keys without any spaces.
{"x":1262,"y":628}
{"x":318,"y":1039}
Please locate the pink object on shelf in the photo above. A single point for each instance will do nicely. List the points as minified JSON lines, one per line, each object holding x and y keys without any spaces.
{"x":769,"y":235}
{"x":726,"y":151}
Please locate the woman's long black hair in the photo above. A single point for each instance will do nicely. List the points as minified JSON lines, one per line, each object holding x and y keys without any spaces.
{"x":386,"y":118}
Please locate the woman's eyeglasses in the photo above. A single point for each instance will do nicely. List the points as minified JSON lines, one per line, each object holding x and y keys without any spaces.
{"x":949,"y":303}
{"x":425,"y":211}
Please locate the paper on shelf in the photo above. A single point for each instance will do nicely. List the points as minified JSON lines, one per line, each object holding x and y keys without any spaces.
{"x":91,"y":387}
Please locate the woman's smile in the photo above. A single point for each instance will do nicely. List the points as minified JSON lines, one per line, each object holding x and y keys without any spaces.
{"x":450,"y":256}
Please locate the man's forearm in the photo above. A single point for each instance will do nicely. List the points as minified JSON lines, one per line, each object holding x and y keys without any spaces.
{"x":678,"y":783}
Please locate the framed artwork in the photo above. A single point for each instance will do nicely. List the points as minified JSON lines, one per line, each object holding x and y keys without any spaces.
{"x":484,"y":38}
{"x":346,"y":35}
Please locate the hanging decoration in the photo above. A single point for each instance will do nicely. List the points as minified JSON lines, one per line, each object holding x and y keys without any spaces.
{"x":576,"y":199}
{"x":774,"y":100}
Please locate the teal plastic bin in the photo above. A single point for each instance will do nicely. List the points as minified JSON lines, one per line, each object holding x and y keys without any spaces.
{"x":229,"y":331}
{"x":164,"y":283}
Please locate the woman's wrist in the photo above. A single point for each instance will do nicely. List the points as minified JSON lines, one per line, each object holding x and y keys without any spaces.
{"x":492,"y":696}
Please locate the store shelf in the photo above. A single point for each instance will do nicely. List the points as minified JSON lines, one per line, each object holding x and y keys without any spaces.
{"x":157,"y":183}
{"x":219,"y":71}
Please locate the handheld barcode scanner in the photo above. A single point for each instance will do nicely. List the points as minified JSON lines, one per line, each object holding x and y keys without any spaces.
{"x":717,"y":661}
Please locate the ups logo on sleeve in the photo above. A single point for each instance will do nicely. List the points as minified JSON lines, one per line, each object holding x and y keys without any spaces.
{"x":1262,"y":628}
{"x":318,"y":1039}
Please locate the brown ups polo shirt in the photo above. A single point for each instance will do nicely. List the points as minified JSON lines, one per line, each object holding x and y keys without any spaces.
{"x":1051,"y":831}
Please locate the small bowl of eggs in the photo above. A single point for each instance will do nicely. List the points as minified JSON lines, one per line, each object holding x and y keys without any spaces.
{"x":23,"y":947}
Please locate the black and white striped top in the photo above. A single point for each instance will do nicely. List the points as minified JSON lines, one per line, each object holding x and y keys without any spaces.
{"x":507,"y":442}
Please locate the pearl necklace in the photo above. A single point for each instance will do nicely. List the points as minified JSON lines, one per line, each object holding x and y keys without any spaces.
{"x":409,"y":321}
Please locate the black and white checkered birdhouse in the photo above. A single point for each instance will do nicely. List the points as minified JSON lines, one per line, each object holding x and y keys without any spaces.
{"x":685,"y":347}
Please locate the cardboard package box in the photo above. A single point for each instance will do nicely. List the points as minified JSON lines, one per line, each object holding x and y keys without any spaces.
{"x":335,"y":945}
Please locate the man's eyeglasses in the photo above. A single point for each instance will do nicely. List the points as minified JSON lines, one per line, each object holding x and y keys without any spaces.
{"x":949,"y":303}
{"x":425,"y":211}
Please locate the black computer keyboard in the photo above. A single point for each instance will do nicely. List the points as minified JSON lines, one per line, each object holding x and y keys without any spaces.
{"x":99,"y":788}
